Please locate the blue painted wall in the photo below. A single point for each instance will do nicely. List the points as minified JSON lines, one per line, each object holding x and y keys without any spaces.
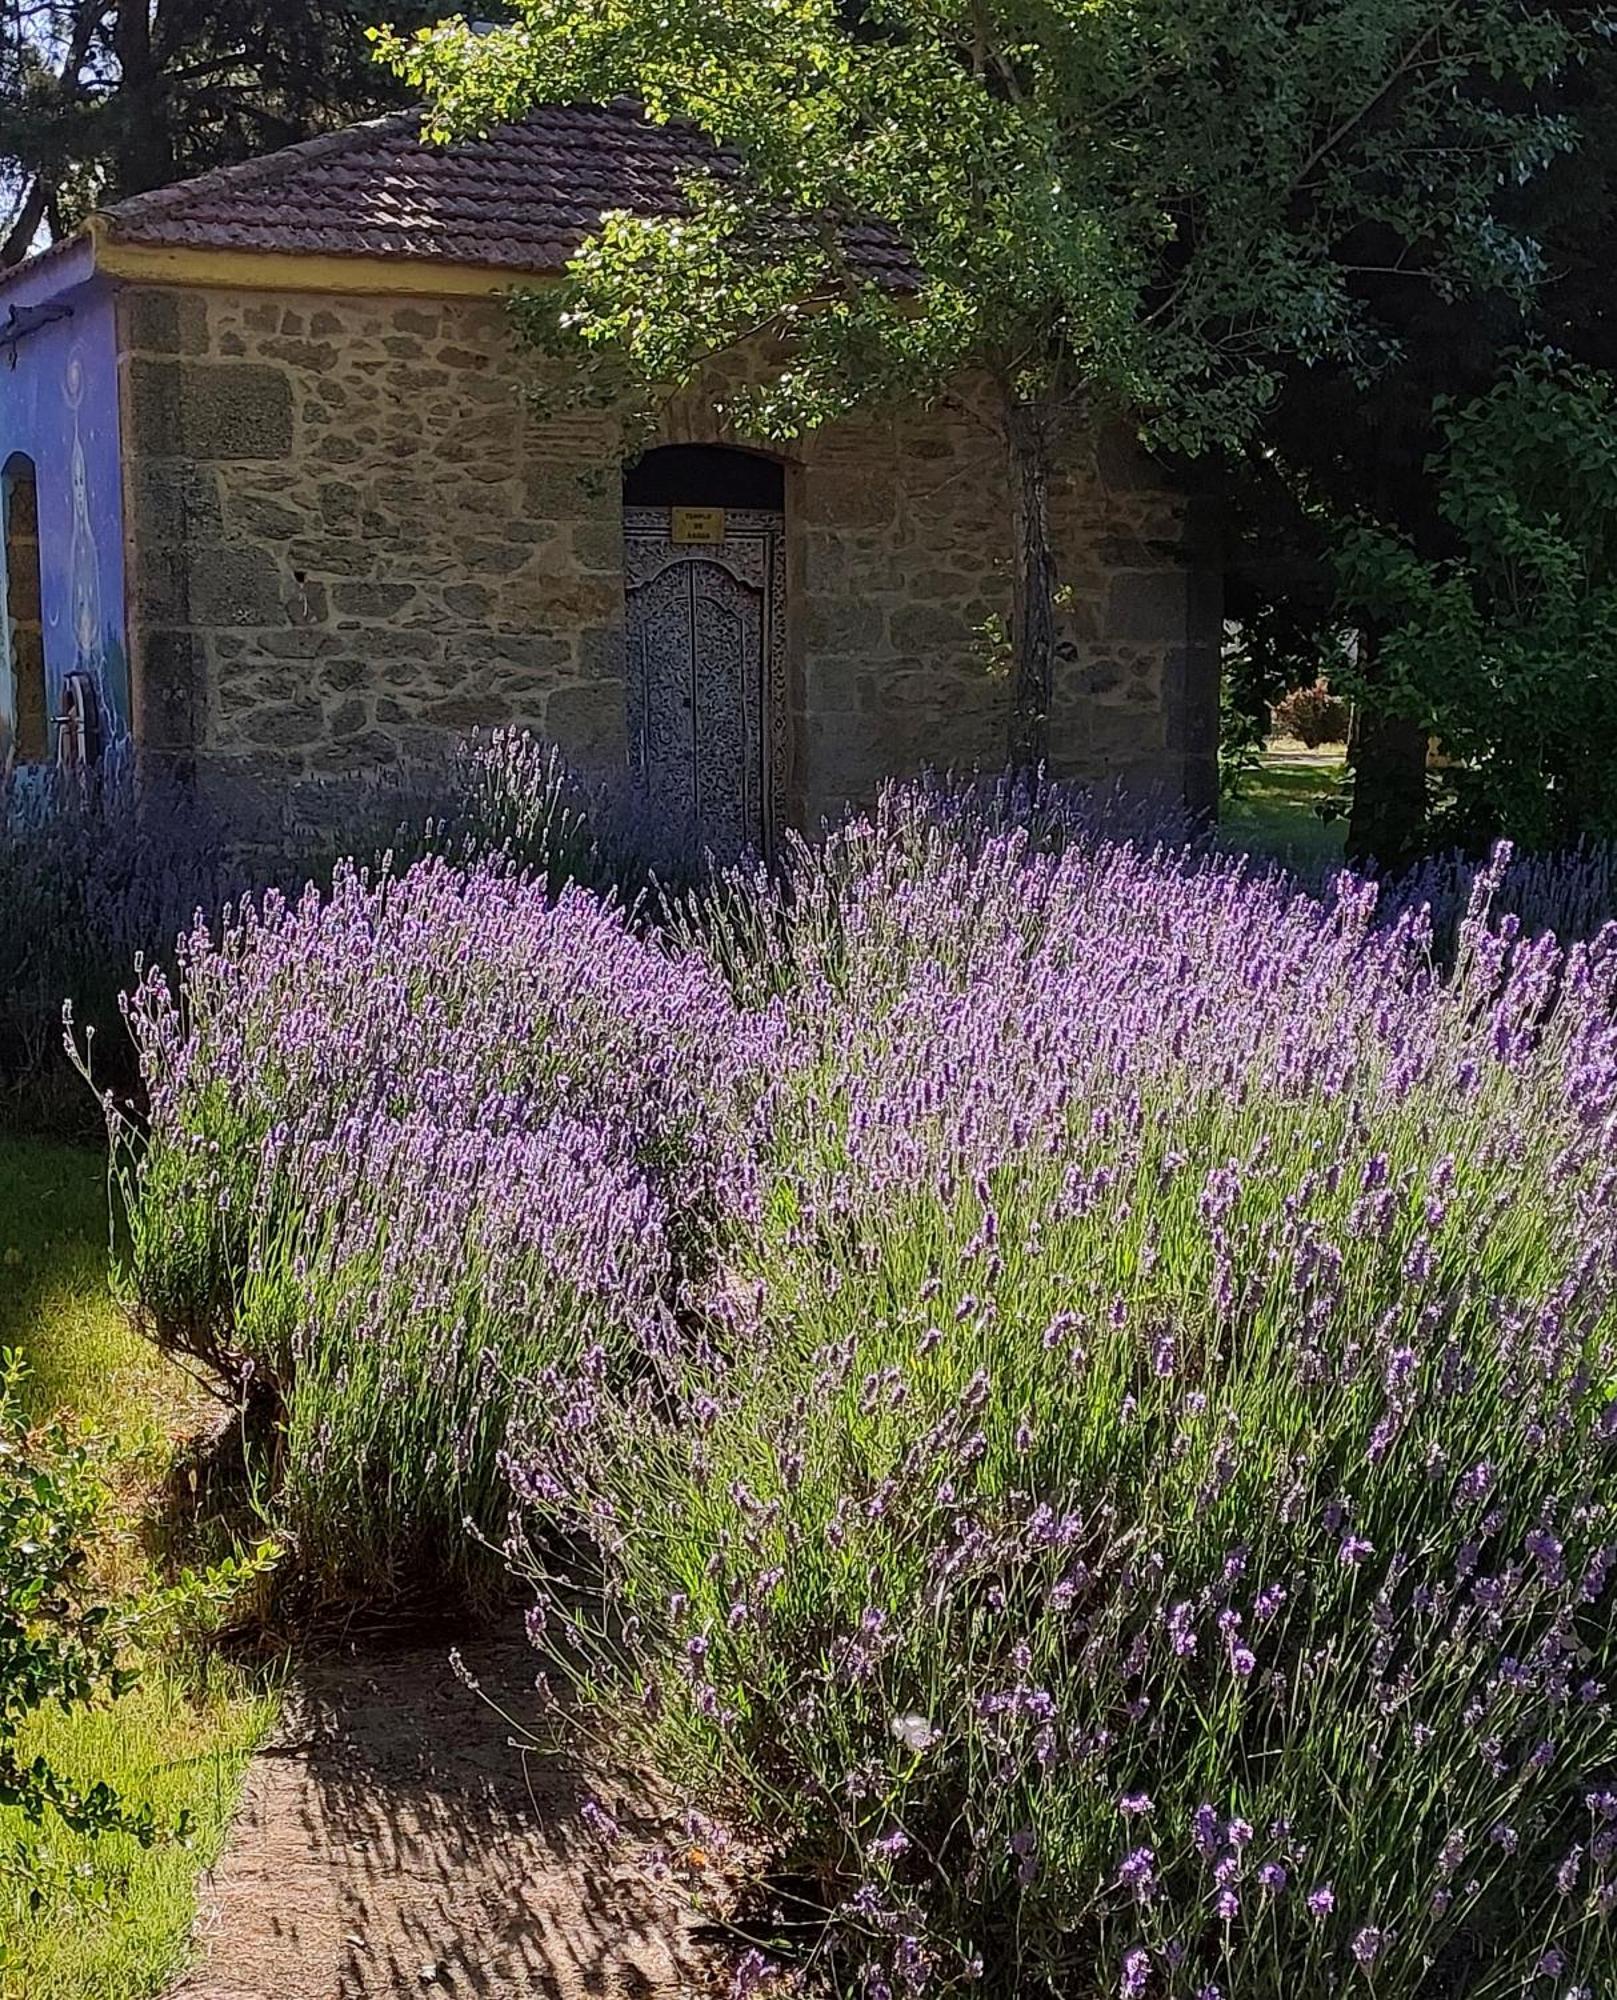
{"x":59,"y":404}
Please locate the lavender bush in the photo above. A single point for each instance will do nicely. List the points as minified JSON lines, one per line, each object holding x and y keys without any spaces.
{"x":94,"y":872}
{"x":406,"y":1141}
{"x":100,"y":872}
{"x":1062,"y":1391}
{"x":1142,"y":1523}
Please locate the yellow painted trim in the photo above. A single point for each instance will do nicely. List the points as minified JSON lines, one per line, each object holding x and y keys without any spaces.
{"x":277,"y":271}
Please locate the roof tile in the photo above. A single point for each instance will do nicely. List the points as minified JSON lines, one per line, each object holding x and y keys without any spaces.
{"x":522,"y":198}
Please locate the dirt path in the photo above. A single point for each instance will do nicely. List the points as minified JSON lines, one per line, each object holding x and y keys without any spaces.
{"x":393,"y":1841}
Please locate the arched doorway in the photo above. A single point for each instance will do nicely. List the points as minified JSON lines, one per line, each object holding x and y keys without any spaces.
{"x":24,"y":711}
{"x":705,"y":577}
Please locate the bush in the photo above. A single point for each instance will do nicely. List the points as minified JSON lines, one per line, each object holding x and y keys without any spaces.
{"x":407,"y":1142}
{"x":94,"y":872}
{"x":1313,"y":715}
{"x":101,"y":872}
{"x":1144,"y":1521}
{"x":1060,"y":1391}
{"x":58,"y":1645}
{"x":1505,"y":649}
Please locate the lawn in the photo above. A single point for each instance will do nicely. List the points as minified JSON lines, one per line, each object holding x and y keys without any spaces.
{"x":179,"y":1741}
{"x":1277,"y":812}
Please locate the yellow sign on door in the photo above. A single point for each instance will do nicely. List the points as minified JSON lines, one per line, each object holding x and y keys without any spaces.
{"x":696,"y":524}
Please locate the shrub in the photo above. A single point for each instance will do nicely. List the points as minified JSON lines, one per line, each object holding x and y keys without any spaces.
{"x":1313,"y":715}
{"x":1505,"y":648}
{"x":1143,"y":1521}
{"x":1060,"y":1389}
{"x":95,"y":870}
{"x":101,"y":872}
{"x":406,"y":1142}
{"x":58,"y":1645}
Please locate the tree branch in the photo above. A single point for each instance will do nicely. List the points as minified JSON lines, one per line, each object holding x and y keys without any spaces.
{"x":19,"y":238}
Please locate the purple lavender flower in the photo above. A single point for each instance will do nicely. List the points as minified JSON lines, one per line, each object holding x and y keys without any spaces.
{"x":1137,"y":1873}
{"x":1368,"y":1945}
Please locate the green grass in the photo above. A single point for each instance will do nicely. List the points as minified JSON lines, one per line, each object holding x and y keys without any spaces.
{"x":1276,"y":813}
{"x":82,"y":1353}
{"x":180,"y":1741}
{"x":179,"y":1744}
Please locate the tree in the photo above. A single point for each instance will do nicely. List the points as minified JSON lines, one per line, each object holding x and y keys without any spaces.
{"x":1331,"y":454}
{"x":1145,"y":210}
{"x":105,"y":98}
{"x":1505,"y":650}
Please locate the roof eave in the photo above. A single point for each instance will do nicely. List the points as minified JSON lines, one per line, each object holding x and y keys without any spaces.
{"x":352,"y":274}
{"x":64,"y":267}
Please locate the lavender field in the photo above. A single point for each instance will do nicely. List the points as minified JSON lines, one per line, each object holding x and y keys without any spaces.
{"x":1060,"y":1390}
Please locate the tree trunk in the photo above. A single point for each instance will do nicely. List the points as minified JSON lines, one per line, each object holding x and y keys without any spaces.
{"x":19,"y":238}
{"x":1033,"y":601}
{"x":143,"y":155}
{"x":1387,"y":824}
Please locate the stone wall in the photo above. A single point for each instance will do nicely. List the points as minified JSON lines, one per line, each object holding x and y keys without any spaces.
{"x":351,"y":539}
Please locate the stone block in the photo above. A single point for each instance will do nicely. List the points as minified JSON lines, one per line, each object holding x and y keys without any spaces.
{"x":174,"y":502}
{"x":348,"y":718}
{"x":341,"y":676}
{"x":162,"y":583}
{"x":169,"y":685}
{"x":601,"y":653}
{"x":340,"y":505}
{"x":479,"y":652}
{"x":850,"y":500}
{"x":166,"y":322}
{"x":287,"y":725}
{"x":259,"y":518}
{"x":920,"y":628}
{"x":1148,"y":605}
{"x":315,"y":355}
{"x":469,"y":600}
{"x":586,"y":722}
{"x":296,"y":644}
{"x":836,"y":625}
{"x":371,"y":600}
{"x":598,"y":545}
{"x":210,"y":409}
{"x":335,"y":555}
{"x":467,"y":709}
{"x":235,"y":586}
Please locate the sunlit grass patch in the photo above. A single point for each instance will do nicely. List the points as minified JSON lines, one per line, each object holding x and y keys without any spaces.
{"x":115,"y":1918}
{"x":118,"y":1928}
{"x":82,"y":1353}
{"x":1277,"y":812}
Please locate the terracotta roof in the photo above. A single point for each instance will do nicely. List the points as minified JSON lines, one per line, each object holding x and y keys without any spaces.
{"x":521,"y":199}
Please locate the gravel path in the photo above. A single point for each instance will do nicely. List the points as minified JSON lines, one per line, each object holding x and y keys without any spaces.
{"x":394,"y":1841}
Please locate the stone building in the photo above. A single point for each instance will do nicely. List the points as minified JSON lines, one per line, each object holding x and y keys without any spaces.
{"x":272,"y":481}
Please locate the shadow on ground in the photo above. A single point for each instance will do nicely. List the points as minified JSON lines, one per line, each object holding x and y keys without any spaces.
{"x":394,"y":1840}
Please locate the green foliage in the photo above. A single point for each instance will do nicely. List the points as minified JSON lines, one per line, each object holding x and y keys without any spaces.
{"x":58,"y":1644}
{"x":102,"y":1914}
{"x":1142,"y":206}
{"x":1143,"y":211}
{"x":1506,"y":648}
{"x":103,"y":98}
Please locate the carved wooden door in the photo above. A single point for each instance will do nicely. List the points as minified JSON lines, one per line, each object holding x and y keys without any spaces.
{"x":705,"y":708}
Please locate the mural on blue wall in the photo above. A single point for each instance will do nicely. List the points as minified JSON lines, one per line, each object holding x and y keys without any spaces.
{"x":59,"y":407}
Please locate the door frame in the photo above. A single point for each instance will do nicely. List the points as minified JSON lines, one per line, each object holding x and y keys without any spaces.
{"x":754,"y":552}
